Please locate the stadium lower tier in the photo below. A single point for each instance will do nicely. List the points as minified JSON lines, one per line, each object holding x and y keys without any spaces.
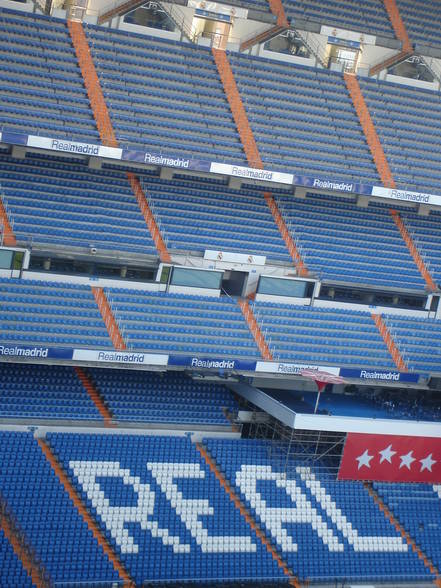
{"x":164,"y":511}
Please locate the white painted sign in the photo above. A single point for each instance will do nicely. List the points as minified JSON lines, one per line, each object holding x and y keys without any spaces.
{"x":226,"y":256}
{"x":275,"y":367}
{"x":407,"y":195}
{"x":74,"y":147}
{"x":251,"y":173}
{"x":128,"y":357}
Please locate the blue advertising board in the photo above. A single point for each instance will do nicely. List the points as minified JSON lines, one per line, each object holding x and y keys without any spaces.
{"x":35,"y":352}
{"x":210,"y":363}
{"x":378,"y":375}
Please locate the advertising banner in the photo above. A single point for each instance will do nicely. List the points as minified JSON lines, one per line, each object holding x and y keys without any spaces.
{"x":385,"y":376}
{"x":210,"y":363}
{"x":126,"y":357}
{"x":35,"y":352}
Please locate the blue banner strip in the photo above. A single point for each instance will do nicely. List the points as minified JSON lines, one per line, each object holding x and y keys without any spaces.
{"x":37,"y":352}
{"x":211,"y":363}
{"x":167,"y":160}
{"x":377,"y":375}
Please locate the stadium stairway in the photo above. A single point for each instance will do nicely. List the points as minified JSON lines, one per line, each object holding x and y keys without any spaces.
{"x":280,"y":27}
{"x":251,"y":149}
{"x":246,"y":514}
{"x":401,"y":34}
{"x":255,"y":329}
{"x":84,"y":513}
{"x":388,"y":339}
{"x":105,"y":127}
{"x":95,"y":396}
{"x":94,"y":92}
{"x":399,"y":527}
{"x":369,"y":131}
{"x":108,"y":318}
{"x":149,"y":218}
{"x":277,"y":9}
{"x":383,"y":168}
{"x":22,"y":550}
{"x":413,"y":250}
{"x":6,"y":229}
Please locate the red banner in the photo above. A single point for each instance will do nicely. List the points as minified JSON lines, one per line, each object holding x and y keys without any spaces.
{"x":391,"y":458}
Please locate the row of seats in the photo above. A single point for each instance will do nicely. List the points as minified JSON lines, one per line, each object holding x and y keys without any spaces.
{"x":170,"y":397}
{"x":50,"y":313}
{"x":164,"y":96}
{"x":57,"y":202}
{"x":308,"y":512}
{"x":156,"y":321}
{"x":419,"y":341}
{"x":366,"y":17}
{"x":167,"y":517}
{"x":60,"y":538}
{"x":422,"y":21}
{"x":417,"y":507}
{"x":97,"y":208}
{"x":42,"y":90}
{"x":343,"y":242}
{"x":303,"y":119}
{"x":63,"y":314}
{"x":12,"y":572}
{"x":323,"y":335}
{"x":56,"y":393}
{"x":407,"y":122}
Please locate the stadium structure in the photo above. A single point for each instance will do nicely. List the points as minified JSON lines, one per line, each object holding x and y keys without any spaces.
{"x":220,"y":318}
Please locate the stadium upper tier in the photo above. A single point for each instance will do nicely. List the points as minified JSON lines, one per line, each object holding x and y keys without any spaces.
{"x":369,"y":16}
{"x":422,"y":20}
{"x":167,"y":96}
{"x":164,"y":95}
{"x":408,"y":124}
{"x":42,"y":90}
{"x":303,"y":119}
{"x":56,"y":393}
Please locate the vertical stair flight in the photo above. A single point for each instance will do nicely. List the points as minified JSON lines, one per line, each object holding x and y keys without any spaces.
{"x":108,"y":318}
{"x":91,"y":81}
{"x":255,"y":330}
{"x":390,"y":343}
{"x":413,"y":250}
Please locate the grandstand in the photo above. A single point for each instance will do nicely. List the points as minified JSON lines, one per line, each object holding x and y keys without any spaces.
{"x":220,"y":316}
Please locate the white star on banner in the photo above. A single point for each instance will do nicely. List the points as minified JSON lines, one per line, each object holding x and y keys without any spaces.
{"x":427,"y":463}
{"x":364,"y":459}
{"x":387,"y":454}
{"x":406,"y":460}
